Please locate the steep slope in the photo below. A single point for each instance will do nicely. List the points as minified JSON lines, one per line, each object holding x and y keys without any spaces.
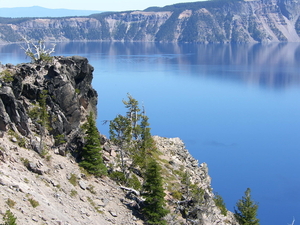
{"x":40,"y":180}
{"x":210,"y":21}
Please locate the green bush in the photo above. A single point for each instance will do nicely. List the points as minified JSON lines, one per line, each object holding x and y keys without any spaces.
{"x":9,"y":218}
{"x":177,"y":195}
{"x":134,"y":182}
{"x":118,"y":176}
{"x":60,"y":139}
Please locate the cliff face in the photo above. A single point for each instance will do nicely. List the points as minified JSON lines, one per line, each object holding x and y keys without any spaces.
{"x":42,"y":108}
{"x":69,"y":97}
{"x":211,"y":21}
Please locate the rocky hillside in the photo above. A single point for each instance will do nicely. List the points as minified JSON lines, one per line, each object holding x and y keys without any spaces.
{"x":42,"y":109}
{"x":209,"y":21}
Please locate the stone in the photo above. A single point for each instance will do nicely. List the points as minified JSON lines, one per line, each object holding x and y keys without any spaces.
{"x":33,"y":168}
{"x":55,"y":183}
{"x":35,"y":219}
{"x":82,"y":184}
{"x":113,"y":213}
{"x":13,"y":139}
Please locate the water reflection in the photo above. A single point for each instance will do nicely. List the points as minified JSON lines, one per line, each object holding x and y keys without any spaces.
{"x":267,"y":65}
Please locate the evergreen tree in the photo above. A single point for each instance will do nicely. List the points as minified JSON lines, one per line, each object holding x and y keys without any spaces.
{"x":153,"y":192}
{"x":120,"y":135}
{"x":145,"y":146}
{"x":9,"y":218}
{"x":246,"y":211}
{"x":133,"y":116}
{"x":131,"y":133}
{"x":92,"y":152}
{"x":44,"y":118}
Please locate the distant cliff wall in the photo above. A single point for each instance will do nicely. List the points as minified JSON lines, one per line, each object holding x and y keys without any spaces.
{"x":210,"y":21}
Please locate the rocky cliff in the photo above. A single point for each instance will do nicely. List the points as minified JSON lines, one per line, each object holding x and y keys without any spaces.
{"x":42,"y":109}
{"x":210,"y":21}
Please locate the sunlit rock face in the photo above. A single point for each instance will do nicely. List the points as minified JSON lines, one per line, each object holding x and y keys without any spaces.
{"x":209,"y":21}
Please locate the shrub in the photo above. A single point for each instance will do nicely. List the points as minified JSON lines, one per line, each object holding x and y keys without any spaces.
{"x":7,"y":76}
{"x":59,"y":139}
{"x":177,"y":195}
{"x":94,"y":205}
{"x":26,"y":180}
{"x":134,"y":182}
{"x":73,"y":179}
{"x":118,"y":176}
{"x":9,"y":218}
{"x":33,"y":202}
{"x":25,"y":162}
{"x":11,"y":203}
{"x":91,"y":189}
{"x":73,"y":193}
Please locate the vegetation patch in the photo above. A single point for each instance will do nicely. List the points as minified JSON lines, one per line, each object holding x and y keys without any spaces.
{"x":33,"y":202}
{"x":94,"y":205}
{"x":11,"y":203}
{"x":73,"y":179}
{"x":220,"y":204}
{"x":25,"y":162}
{"x":9,"y":218}
{"x":20,"y":140}
{"x":73,"y":193}
{"x":7,"y":76}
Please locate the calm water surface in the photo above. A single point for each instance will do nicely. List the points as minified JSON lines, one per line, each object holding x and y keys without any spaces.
{"x":237,"y":108}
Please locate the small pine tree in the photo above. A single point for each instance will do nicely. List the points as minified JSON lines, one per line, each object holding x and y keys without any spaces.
{"x":120,"y":135}
{"x":9,"y":218}
{"x":153,"y":191}
{"x":92,"y":156}
{"x":246,"y":211}
{"x":44,"y":117}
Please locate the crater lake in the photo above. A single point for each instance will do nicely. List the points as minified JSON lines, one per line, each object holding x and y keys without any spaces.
{"x":235,"y":106}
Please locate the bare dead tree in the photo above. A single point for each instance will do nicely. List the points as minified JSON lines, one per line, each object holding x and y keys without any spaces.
{"x":37,"y":51}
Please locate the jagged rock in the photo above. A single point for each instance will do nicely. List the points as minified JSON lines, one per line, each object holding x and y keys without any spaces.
{"x":35,"y":145}
{"x":70,"y":97}
{"x":33,"y":168}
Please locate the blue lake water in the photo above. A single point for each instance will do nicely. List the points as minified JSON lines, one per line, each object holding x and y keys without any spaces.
{"x":236,"y":107}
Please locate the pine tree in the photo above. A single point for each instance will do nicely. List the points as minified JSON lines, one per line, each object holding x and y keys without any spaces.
{"x":133,"y":116}
{"x":44,"y":118}
{"x":246,"y":211}
{"x":92,"y":151}
{"x":153,"y":192}
{"x":120,"y":135}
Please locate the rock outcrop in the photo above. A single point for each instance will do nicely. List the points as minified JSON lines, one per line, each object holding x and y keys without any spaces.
{"x":208,"y":21}
{"x":69,"y":96}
